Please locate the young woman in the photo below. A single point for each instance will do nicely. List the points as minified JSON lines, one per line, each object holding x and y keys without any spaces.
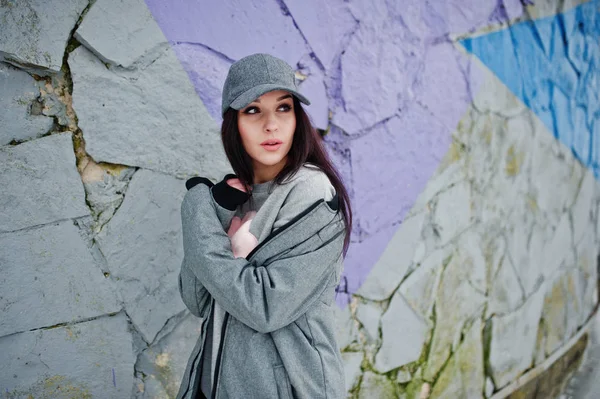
{"x":263,"y":248}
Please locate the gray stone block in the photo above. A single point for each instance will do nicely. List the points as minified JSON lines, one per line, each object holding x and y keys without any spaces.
{"x":582,"y":210}
{"x":586,"y":282}
{"x":86,"y":360}
{"x":395,"y":260}
{"x":404,"y":334}
{"x":163,"y":364}
{"x":352,"y":370}
{"x":369,"y":315}
{"x":376,"y":386}
{"x":463,"y":376}
{"x":346,"y":332}
{"x":105,"y":196}
{"x":49,"y":277}
{"x":513,"y":340}
{"x":453,"y":214}
{"x":19,"y":91}
{"x":207,"y":71}
{"x":506,"y":293}
{"x":143,"y":247}
{"x":40,"y":183}
{"x":421,"y":286}
{"x":120,"y":32}
{"x":34,"y":33}
{"x":150,"y":118}
{"x":457,"y":303}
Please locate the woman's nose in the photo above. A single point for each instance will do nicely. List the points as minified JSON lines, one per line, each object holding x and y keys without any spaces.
{"x":271,"y":123}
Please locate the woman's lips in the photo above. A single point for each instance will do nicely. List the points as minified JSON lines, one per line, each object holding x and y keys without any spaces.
{"x":271,"y":145}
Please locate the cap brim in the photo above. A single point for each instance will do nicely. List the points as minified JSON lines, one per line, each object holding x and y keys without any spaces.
{"x":252,"y":94}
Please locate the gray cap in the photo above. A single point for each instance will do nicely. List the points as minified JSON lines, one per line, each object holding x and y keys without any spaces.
{"x":255,"y":75}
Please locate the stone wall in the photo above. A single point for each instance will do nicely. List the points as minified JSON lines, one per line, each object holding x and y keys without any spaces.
{"x":468,"y":133}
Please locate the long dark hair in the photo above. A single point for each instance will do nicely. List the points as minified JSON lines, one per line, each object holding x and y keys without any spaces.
{"x":307,"y":146}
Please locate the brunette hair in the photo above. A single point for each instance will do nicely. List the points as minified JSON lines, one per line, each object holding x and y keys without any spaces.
{"x":307,"y":146}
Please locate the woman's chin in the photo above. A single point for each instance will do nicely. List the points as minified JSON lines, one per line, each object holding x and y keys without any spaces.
{"x":269,"y":163}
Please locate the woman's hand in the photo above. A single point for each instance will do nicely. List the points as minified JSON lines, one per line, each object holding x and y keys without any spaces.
{"x":237,"y":184}
{"x":242,"y":241}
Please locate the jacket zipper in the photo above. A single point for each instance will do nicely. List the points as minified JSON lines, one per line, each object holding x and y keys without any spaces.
{"x":332,"y":204}
{"x":219,"y":356}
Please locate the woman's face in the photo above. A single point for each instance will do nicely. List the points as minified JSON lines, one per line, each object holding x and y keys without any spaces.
{"x":267,"y":127}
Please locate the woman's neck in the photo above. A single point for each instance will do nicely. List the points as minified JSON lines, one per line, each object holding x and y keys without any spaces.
{"x":263,"y":174}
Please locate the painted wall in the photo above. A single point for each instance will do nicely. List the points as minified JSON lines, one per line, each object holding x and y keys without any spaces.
{"x":467,"y":132}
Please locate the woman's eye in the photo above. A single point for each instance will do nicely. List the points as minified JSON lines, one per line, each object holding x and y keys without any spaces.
{"x":251,"y":110}
{"x":285,"y":107}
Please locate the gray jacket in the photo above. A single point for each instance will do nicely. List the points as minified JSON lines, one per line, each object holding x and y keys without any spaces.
{"x":278,"y":337}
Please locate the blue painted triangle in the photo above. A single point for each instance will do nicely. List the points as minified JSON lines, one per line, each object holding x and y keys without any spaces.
{"x":552,"y":64}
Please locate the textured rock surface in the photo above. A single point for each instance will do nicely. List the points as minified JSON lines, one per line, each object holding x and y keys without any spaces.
{"x":207,"y":70}
{"x":545,"y":62}
{"x":453,"y":211}
{"x":446,"y":102}
{"x":403,"y":333}
{"x":324,"y":24}
{"x":39,"y":189}
{"x":368,"y":315}
{"x":50,"y":277}
{"x":34,"y":33}
{"x":457,"y":303}
{"x":120,"y":33}
{"x":420,"y":287}
{"x":513,"y":340}
{"x":359,"y":261}
{"x":313,"y":86}
{"x":583,"y":209}
{"x":143,"y":247}
{"x":376,"y":386}
{"x":395,"y":260}
{"x":20,"y":114}
{"x":562,"y":305}
{"x":419,"y":16}
{"x":150,"y":118}
{"x":463,"y":377}
{"x":106,"y":195}
{"x":163,"y":364}
{"x":376,"y":166}
{"x":558,"y":249}
{"x":346,"y":331}
{"x":86,"y":360}
{"x":506,"y":293}
{"x":586,"y":288}
{"x":489,"y":387}
{"x":384,"y":51}
{"x":551,"y":382}
{"x":352,"y":362}
{"x":472,"y":176}
{"x":226,"y":30}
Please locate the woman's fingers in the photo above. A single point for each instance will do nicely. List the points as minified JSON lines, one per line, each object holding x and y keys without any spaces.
{"x":237,"y":184}
{"x":238,"y":225}
{"x":243,"y":242}
{"x":236,"y":222}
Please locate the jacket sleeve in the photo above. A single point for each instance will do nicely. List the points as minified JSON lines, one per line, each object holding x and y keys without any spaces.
{"x":264,"y":296}
{"x":195,"y":297}
{"x":225,"y":199}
